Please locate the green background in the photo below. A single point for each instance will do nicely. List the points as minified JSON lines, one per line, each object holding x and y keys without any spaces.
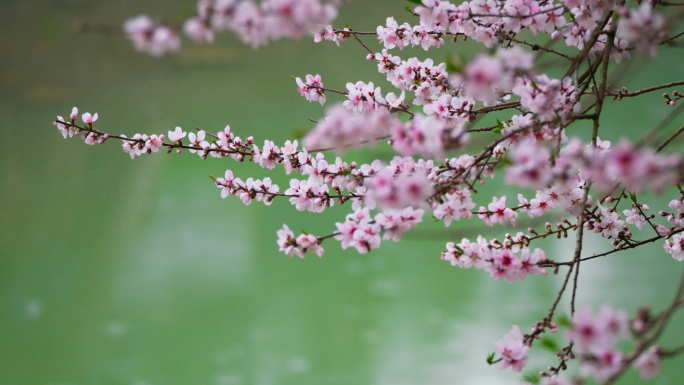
{"x":120,"y":271}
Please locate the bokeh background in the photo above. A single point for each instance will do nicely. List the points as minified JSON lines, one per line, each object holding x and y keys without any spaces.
{"x":135,"y":272}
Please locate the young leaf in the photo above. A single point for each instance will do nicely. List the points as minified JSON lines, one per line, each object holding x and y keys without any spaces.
{"x":632,"y":197}
{"x":531,"y":377}
{"x":549,"y":344}
{"x":499,"y":127}
{"x":563,"y":320}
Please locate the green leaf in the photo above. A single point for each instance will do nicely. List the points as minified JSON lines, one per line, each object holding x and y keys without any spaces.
{"x":419,"y":2}
{"x":490,"y":359}
{"x":549,"y":344}
{"x":632,"y":197}
{"x":499,"y":127}
{"x":563,"y":321}
{"x":531,"y":377}
{"x":534,"y":85}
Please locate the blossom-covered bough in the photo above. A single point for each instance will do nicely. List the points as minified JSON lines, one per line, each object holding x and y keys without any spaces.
{"x":428,"y":119}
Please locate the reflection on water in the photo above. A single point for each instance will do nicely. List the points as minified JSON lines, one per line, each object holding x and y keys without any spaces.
{"x":136,"y":272}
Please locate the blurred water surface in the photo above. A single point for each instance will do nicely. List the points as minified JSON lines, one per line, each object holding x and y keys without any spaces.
{"x":115,"y":271}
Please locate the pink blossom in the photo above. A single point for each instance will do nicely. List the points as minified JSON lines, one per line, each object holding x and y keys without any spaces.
{"x":63,"y":128}
{"x":134,"y":147}
{"x":197,"y":140}
{"x":310,"y":242}
{"x":530,"y":166}
{"x":503,"y":264}
{"x":643,"y":27}
{"x":327,"y":34}
{"x":89,"y":119}
{"x":265,"y":190}
{"x":312,"y":89}
{"x":394,"y":35}
{"x":91,"y":138}
{"x":634,"y":217}
{"x":674,"y":245}
{"x":597,"y":334}
{"x":529,"y":263}
{"x":648,"y":363}
{"x":287,"y":242}
{"x":154,"y":142}
{"x":227,"y":184}
{"x":604,"y":362}
{"x":500,"y":213}
{"x":223,"y":14}
{"x":342,"y":129}
{"x":610,"y":223}
{"x":404,"y":190}
{"x":584,"y":332}
{"x":512,"y":350}
{"x":199,"y":30}
{"x":367,"y":237}
{"x":177,"y":135}
{"x":482,"y":75}
{"x":395,"y":222}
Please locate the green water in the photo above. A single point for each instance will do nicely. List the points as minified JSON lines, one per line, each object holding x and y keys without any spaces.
{"x":135,"y":272}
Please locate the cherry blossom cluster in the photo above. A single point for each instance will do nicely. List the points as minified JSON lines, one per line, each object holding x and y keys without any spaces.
{"x":363,"y":232}
{"x":595,"y":340}
{"x":254,"y":23}
{"x":68,"y":129}
{"x":248,"y":190}
{"x":300,"y":245}
{"x":149,"y":36}
{"x":547,"y":98}
{"x":432,"y":114}
{"x":312,"y":89}
{"x":675,"y":243}
{"x":482,"y":19}
{"x":497,"y":258}
{"x":637,"y":169}
{"x":643,"y":27}
{"x":395,"y":35}
{"x":142,"y":144}
{"x":342,"y":129}
{"x":489,"y":22}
